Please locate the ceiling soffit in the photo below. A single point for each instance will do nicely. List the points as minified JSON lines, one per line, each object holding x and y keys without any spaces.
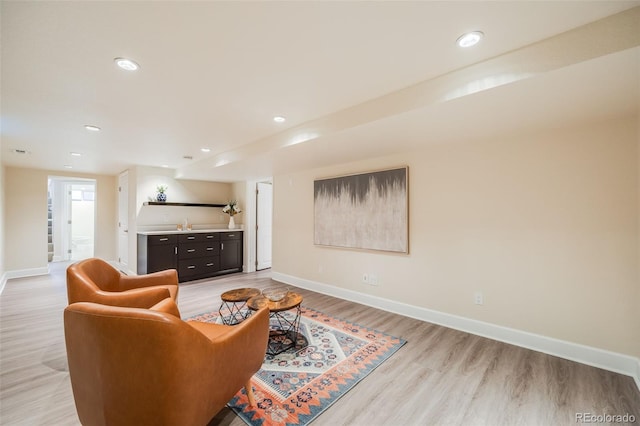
{"x":613,"y":34}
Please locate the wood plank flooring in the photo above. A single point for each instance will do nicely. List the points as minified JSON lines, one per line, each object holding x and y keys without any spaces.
{"x":440,"y":377}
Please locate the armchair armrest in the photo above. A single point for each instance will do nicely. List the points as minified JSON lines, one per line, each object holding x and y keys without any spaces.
{"x":239,"y":347}
{"x":168,"y":277}
{"x":135,"y":298}
{"x":167,"y":306}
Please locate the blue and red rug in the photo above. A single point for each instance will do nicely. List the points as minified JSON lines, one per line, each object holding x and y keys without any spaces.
{"x":296,"y":386}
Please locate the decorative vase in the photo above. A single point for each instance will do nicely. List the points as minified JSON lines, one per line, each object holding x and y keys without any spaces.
{"x":161,"y":197}
{"x":232,"y":223}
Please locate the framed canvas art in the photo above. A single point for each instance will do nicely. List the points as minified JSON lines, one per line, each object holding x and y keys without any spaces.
{"x":363,"y":211}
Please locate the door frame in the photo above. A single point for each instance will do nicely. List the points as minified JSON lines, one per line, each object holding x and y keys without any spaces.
{"x":258,"y":207}
{"x":123,"y":214}
{"x":61,"y":208}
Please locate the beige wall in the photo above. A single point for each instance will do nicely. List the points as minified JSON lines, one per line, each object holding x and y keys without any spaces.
{"x":545,"y":226}
{"x":106,"y":216}
{"x":26,"y":217}
{"x":179,"y":191}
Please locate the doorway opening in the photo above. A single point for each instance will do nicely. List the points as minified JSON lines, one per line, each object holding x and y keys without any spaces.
{"x":71,"y":216}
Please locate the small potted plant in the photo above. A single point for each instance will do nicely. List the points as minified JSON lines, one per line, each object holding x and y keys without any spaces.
{"x":231,"y":209}
{"x":161,"y":197}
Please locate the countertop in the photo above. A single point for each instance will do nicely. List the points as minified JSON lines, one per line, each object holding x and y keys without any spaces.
{"x":193,"y":231}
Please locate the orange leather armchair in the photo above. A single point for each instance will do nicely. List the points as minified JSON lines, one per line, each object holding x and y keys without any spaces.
{"x":133,"y":366}
{"x":94,"y":280}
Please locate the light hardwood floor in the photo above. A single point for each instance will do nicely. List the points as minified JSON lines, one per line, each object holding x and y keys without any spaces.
{"x":440,"y":377}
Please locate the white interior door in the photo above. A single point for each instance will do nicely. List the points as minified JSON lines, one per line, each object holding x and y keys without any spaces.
{"x":123,"y":220}
{"x":264,"y":208}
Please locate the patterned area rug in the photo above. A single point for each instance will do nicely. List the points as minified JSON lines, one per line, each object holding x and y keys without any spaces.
{"x":296,"y":386}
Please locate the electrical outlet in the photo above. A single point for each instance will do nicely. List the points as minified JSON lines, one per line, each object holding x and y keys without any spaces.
{"x":365,"y":278}
{"x":478,"y":298}
{"x":373,"y":279}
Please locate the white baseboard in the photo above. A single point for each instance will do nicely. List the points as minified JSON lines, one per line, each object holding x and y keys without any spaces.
{"x":31,"y":272}
{"x":22,"y":273}
{"x":612,"y":361}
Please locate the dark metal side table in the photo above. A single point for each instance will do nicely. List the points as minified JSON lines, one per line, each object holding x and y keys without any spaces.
{"x":233,"y":309}
{"x":283,"y":330}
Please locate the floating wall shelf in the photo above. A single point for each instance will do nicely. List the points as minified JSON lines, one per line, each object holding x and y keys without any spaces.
{"x":156,"y":203}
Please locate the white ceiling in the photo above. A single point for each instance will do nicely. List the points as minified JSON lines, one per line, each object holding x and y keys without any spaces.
{"x":354,"y":79}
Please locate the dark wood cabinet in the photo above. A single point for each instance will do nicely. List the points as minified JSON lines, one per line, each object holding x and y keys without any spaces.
{"x":195,"y":255}
{"x":231,"y":251}
{"x":157,"y":253}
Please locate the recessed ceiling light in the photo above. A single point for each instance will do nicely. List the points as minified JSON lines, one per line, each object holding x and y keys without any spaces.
{"x":67,"y":166}
{"x":126,"y":64}
{"x":205,"y":149}
{"x":165,"y":166}
{"x":279,"y":119}
{"x":76,"y":154}
{"x":469,"y":39}
{"x":92,"y":127}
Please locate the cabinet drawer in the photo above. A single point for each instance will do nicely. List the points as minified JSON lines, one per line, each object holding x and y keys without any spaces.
{"x":198,"y":237}
{"x":154,"y":240}
{"x":197,"y":267}
{"x":192,"y":250}
{"x":224,"y":236}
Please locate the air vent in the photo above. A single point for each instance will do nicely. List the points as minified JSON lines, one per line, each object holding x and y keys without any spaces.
{"x":188,"y":157}
{"x":21,"y":151}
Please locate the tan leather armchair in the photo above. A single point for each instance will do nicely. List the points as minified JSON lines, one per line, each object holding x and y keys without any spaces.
{"x":133,"y":366}
{"x":94,"y":280}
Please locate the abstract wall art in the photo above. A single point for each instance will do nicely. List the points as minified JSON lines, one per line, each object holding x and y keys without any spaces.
{"x":363,"y":211}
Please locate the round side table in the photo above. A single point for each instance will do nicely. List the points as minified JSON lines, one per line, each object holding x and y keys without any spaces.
{"x":233,"y":307}
{"x":283,"y":329}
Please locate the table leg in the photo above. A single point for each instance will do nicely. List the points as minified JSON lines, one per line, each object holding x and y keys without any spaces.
{"x":236,"y":315}
{"x":283,"y":332}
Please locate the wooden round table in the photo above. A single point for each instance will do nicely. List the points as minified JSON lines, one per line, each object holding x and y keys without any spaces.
{"x":234,"y":302}
{"x":284,"y":331}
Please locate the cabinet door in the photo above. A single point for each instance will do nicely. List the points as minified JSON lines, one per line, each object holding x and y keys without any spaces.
{"x":231,"y":254}
{"x":161,"y":257}
{"x":156,"y":253}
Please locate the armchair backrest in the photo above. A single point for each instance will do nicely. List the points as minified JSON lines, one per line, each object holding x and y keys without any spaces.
{"x":93,"y":274}
{"x":132,"y":366}
{"x":94,"y":280}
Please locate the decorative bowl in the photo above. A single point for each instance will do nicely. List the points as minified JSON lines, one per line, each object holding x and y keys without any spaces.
{"x":275,"y":294}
